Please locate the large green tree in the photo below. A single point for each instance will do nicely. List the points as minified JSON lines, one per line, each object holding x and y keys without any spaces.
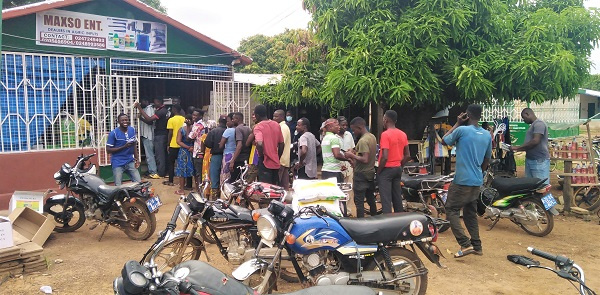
{"x":419,"y":56}
{"x":14,"y":3}
{"x":269,"y":53}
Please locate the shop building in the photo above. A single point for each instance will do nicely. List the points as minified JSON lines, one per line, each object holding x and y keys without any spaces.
{"x":70,"y":67}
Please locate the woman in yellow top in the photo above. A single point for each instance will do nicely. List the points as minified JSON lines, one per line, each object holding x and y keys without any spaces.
{"x":173,"y":125}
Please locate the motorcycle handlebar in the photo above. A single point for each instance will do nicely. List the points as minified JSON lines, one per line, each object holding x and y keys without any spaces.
{"x":323,"y":210}
{"x":542,"y":254}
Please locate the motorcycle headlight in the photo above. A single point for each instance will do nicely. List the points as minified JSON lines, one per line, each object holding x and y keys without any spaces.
{"x":267,"y":228}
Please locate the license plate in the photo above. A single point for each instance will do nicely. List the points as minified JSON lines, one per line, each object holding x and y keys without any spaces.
{"x":549,"y":201}
{"x":153,"y":204}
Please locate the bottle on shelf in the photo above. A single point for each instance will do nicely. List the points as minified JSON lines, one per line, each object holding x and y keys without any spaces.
{"x":584,"y":170}
{"x":574,"y":178}
{"x":564,"y":153}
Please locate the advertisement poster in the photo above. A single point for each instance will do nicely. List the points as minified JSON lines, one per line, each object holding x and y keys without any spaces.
{"x":82,"y":30}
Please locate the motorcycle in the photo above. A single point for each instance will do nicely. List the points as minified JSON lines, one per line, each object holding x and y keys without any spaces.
{"x":525,"y":201}
{"x":565,"y":267}
{"x":130,"y":207}
{"x":235,"y":224}
{"x":231,"y":227}
{"x":191,"y":277}
{"x":426,"y":193}
{"x":378,"y":252}
{"x":253,"y":194}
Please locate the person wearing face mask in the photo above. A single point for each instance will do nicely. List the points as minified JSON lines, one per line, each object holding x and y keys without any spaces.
{"x":289,"y":120}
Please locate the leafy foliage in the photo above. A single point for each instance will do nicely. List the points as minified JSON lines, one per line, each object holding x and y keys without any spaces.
{"x":14,"y":3}
{"x":434,"y":53}
{"x":592,"y":83}
{"x":269,"y":54}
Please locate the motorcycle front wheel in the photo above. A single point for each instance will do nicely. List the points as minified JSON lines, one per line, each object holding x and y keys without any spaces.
{"x":167,"y":257}
{"x":406,"y":263}
{"x":545,"y":219}
{"x":67,"y":218}
{"x":141,"y":223}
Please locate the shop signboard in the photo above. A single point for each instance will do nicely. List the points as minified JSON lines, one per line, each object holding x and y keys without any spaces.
{"x":81,"y":30}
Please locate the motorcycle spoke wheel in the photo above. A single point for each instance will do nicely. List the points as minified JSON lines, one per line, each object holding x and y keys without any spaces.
{"x":545,"y":220}
{"x":168,"y":256}
{"x":206,"y":235}
{"x":66,"y":220}
{"x":141,"y":223}
{"x":406,"y":263}
{"x":587,"y":197}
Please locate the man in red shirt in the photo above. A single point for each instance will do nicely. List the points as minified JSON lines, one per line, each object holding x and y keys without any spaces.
{"x":393,"y":154}
{"x":269,"y":143}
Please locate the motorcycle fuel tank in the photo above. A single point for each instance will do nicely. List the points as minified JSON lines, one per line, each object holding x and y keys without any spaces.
{"x":315,"y":233}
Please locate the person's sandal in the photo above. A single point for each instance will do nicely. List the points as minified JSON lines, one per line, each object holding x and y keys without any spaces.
{"x":464,"y":252}
{"x":180,"y":192}
{"x":168,"y":183}
{"x":478,"y":252}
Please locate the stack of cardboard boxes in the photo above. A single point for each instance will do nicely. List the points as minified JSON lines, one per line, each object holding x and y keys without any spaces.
{"x":22,"y":236}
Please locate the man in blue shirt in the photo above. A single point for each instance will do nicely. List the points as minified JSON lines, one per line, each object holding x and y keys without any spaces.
{"x":121,"y":144}
{"x":473,"y":152}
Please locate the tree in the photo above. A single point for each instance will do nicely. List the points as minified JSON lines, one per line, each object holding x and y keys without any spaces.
{"x":269,"y":54}
{"x":592,"y":83}
{"x":14,"y":3}
{"x":419,"y":56}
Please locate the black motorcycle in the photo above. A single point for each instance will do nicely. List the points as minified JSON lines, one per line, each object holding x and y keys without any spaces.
{"x":526,"y":201}
{"x":130,"y":207}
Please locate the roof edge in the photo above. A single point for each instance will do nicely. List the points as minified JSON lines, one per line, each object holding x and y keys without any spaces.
{"x":47,"y":5}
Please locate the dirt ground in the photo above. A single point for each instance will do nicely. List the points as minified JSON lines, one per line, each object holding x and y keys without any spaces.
{"x":89,"y":266}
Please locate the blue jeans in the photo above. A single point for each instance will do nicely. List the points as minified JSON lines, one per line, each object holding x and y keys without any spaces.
{"x":128,"y":168}
{"x":538,"y":169}
{"x":149,"y":150}
{"x":216,"y":161}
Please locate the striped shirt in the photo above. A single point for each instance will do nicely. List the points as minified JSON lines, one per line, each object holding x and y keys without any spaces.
{"x":330,"y":163}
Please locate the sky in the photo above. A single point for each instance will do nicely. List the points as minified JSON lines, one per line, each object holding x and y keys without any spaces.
{"x":230,"y":21}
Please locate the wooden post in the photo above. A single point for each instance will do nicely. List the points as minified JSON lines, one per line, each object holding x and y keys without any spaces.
{"x":591,"y":152}
{"x":567,"y":189}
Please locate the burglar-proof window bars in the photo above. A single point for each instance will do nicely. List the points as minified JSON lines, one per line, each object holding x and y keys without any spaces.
{"x":47,"y":101}
{"x":170,"y":70}
{"x":551,"y":112}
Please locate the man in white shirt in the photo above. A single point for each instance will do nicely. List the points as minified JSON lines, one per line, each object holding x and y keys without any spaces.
{"x":147,"y":136}
{"x":348,"y":145}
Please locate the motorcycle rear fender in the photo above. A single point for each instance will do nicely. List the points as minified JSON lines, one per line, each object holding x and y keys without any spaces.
{"x":246,"y":269}
{"x":60,"y":199}
{"x":429,"y":250}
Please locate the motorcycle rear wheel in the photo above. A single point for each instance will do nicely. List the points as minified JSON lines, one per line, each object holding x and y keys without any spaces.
{"x":166,"y":257}
{"x":141,"y":224}
{"x":406,"y":262}
{"x":587,"y":197}
{"x":74,"y":212}
{"x":538,"y":230}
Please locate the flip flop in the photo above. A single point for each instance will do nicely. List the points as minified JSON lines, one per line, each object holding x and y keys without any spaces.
{"x":168,"y":183}
{"x":180,"y":192}
{"x":464,"y":252}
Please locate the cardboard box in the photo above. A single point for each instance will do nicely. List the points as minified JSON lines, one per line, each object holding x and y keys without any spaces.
{"x":6,"y":233}
{"x":22,"y":199}
{"x":32,"y":225}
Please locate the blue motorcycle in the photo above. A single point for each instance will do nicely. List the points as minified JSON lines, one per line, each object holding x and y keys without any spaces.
{"x":378,"y":252}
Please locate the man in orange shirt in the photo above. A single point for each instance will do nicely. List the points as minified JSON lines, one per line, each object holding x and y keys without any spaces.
{"x":393,"y":154}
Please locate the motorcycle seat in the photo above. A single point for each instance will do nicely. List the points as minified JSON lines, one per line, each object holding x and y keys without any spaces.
{"x":334,"y":289}
{"x":109,"y":190}
{"x":415,"y":182}
{"x":385,"y":227}
{"x":507,"y":186}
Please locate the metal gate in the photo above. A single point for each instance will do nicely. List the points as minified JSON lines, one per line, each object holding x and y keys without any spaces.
{"x":229,"y":97}
{"x":114,"y":95}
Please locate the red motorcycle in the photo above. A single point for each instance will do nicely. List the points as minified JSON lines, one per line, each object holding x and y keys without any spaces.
{"x":253,"y":195}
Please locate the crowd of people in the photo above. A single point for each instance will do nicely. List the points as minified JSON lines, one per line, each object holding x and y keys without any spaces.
{"x":188,"y":147}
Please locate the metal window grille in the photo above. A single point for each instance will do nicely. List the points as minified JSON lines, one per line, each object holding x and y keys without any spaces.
{"x":552,"y":112}
{"x":228,"y":97}
{"x":47,"y":101}
{"x":170,"y":70}
{"x":115,"y":95}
